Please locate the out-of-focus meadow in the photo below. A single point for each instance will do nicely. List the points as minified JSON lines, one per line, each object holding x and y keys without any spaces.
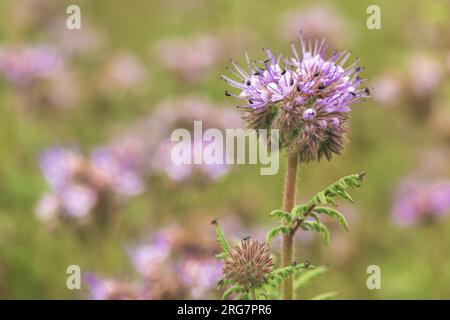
{"x":86,"y":117}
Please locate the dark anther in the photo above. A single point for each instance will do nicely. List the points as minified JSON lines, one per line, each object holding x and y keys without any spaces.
{"x":358,"y":69}
{"x":227,"y":93}
{"x":299,"y":88}
{"x":250,"y":101}
{"x":321,"y":87}
{"x":353,"y":93}
{"x":248,"y":82}
{"x":246,"y":238}
{"x":367,"y":91}
{"x":291,"y":82}
{"x":283,"y":72}
{"x":316,"y":74}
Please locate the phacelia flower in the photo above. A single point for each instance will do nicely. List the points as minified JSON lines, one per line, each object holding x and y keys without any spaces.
{"x":109,"y":289}
{"x":23,"y":64}
{"x":79,"y":185}
{"x":307,"y":96}
{"x":415,"y":202}
{"x":248,"y":264}
{"x":199,"y":275}
{"x":123,"y":73}
{"x":318,"y":20}
{"x":191,"y":58}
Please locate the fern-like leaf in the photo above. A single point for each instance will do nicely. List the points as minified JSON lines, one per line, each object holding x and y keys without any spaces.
{"x":275,"y":232}
{"x":231,"y":290}
{"x":277,"y":276}
{"x":305,"y":277}
{"x":282,"y":215}
{"x":334,"y":214}
{"x":299,"y":211}
{"x":338,"y":189}
{"x":220,"y":237}
{"x":318,"y":227}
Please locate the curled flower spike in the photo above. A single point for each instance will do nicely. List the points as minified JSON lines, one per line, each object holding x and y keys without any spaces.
{"x":307,"y":97}
{"x":248,"y":264}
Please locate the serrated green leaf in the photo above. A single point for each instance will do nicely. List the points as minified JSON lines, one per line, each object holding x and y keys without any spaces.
{"x":299,"y":211}
{"x":220,"y":237}
{"x":305,"y":277}
{"x":275,"y":232}
{"x":334,"y":214}
{"x":222,"y":283}
{"x":338,"y":189}
{"x":231,"y":290}
{"x":277,"y":276}
{"x":318,"y":227}
{"x":281,"y":214}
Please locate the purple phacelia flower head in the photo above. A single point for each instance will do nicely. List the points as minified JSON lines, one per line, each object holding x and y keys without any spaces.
{"x":418,"y":202}
{"x":148,"y":259}
{"x":109,"y":289}
{"x":21,"y":65}
{"x":307,"y":96}
{"x":120,"y":170}
{"x":78,"y":184}
{"x":200,"y":276}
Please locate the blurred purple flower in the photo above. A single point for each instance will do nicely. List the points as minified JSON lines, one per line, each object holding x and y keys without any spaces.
{"x":181,"y":113}
{"x":178,"y":172}
{"x":149,"y":257}
{"x":78,"y":184}
{"x":20,"y":65}
{"x":109,"y":289}
{"x":78,"y":200}
{"x":200,"y":275}
{"x":416,"y":201}
{"x":124,"y":72}
{"x":317,"y":21}
{"x":191,"y":58}
{"x":57,"y":165}
{"x":425,"y":74}
{"x":387,"y":89}
{"x":120,"y":169}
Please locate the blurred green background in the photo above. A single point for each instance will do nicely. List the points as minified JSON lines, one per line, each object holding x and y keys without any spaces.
{"x":387,"y":142}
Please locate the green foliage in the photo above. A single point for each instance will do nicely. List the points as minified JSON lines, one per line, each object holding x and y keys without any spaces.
{"x":220,"y":237}
{"x":304,"y":278}
{"x":306,"y":217}
{"x":299,"y":211}
{"x":276,"y":231}
{"x":317,"y":206}
{"x":334,"y":214}
{"x":231,"y":290}
{"x":281,"y":214}
{"x":277,"y":276}
{"x":338,"y":189}
{"x":318,"y":227}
